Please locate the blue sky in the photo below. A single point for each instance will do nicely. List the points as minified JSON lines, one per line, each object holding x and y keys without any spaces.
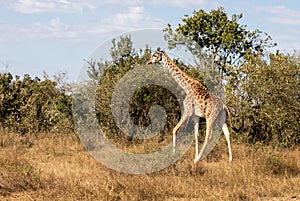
{"x":56,"y":35}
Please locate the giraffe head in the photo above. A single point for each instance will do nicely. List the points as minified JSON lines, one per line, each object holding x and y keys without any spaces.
{"x":156,"y":57}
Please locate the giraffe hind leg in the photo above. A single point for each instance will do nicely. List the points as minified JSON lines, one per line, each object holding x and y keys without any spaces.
{"x":207,"y":138}
{"x":227,"y":136}
{"x":196,"y":132}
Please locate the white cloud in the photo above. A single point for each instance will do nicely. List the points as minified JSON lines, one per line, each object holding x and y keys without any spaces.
{"x":29,"y":6}
{"x":133,"y":17}
{"x":54,"y":29}
{"x":49,"y":6}
{"x":82,"y":31}
{"x":283,"y":25}
{"x":174,"y":3}
{"x":42,"y":6}
{"x":187,"y":3}
{"x":282,"y":15}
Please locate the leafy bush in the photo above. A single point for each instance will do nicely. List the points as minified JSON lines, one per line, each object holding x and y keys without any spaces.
{"x":266,"y":98}
{"x":32,"y":105}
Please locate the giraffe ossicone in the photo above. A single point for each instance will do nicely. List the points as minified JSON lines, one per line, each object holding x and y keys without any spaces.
{"x":197,"y":103}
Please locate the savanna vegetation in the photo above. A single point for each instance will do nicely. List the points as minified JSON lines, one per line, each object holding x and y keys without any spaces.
{"x":42,"y":158}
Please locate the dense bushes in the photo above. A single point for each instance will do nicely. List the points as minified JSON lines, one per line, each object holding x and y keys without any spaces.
{"x":31,"y":105}
{"x":265,"y":98}
{"x":125,"y":59}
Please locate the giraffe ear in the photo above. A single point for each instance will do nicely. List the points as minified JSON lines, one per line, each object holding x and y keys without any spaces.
{"x":160,"y":50}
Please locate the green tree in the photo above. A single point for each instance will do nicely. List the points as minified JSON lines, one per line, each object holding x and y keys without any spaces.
{"x":223,"y":40}
{"x":107,"y":74}
{"x":125,"y":58}
{"x":266,"y":99}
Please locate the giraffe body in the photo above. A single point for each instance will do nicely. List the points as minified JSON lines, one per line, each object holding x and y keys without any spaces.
{"x":197,"y":103}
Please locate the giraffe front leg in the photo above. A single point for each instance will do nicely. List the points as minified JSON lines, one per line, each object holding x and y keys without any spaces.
{"x":174,"y":142}
{"x":182,"y":120}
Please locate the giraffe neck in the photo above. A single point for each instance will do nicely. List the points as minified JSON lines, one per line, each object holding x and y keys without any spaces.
{"x":179,"y":75}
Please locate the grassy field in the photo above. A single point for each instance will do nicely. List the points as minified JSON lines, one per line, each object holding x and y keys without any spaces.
{"x":47,"y":167}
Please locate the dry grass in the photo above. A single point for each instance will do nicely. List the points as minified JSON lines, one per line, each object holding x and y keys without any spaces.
{"x":48,"y":167}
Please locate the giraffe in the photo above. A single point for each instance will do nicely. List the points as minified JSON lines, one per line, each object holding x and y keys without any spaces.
{"x":197,"y":103}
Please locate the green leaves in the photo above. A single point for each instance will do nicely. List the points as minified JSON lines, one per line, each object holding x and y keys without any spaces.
{"x":32,"y":105}
{"x":267,"y":98}
{"x":124,"y":59}
{"x":224,"y":39}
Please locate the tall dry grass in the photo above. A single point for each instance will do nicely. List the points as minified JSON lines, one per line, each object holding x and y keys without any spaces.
{"x":49,"y":167}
